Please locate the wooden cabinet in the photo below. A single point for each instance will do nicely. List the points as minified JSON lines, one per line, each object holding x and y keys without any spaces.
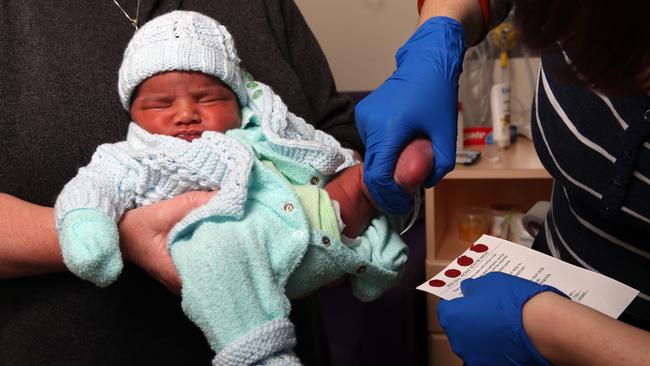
{"x":513,"y":177}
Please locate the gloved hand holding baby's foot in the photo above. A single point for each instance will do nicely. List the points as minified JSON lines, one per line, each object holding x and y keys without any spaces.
{"x":90,"y":246}
{"x":413,"y":166}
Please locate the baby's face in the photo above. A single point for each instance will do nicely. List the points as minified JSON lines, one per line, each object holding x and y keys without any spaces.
{"x":184,"y":105}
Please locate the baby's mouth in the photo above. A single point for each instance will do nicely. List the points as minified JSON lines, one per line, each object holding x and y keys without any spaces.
{"x":188,"y":135}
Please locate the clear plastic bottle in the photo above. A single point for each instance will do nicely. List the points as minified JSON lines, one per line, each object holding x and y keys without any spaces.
{"x":500,"y":106}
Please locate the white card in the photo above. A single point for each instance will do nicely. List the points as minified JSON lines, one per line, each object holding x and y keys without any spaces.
{"x":489,"y":254}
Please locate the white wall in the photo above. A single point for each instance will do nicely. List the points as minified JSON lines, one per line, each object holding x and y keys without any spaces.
{"x":360,"y":37}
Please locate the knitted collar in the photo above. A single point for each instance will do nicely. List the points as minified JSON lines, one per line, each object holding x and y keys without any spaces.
{"x":138,"y":138}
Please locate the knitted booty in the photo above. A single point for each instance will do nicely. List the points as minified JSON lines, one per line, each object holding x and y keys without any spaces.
{"x":269,"y":344}
{"x":90,"y":246}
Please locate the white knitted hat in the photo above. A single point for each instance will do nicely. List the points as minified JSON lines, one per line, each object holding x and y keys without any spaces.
{"x":185,"y":41}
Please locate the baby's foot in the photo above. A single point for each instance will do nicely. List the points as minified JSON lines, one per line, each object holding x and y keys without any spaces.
{"x":414,"y":165}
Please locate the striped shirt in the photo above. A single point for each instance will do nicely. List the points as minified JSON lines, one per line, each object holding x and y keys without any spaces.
{"x":598,"y":150}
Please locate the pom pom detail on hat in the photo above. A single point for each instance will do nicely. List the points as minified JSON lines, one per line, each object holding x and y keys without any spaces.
{"x":180,"y":41}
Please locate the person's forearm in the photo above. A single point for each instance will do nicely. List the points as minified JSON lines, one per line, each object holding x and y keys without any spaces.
{"x":467,"y":12}
{"x":28,"y":240}
{"x":567,"y":333}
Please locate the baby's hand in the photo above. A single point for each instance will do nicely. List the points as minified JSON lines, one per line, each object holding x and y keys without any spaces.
{"x":89,"y":243}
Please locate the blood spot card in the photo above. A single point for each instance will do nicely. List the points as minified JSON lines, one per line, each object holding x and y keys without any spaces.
{"x":490,"y":254}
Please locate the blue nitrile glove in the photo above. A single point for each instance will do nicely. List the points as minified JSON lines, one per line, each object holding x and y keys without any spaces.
{"x":485,"y":326}
{"x":90,"y":246}
{"x":419,"y":99}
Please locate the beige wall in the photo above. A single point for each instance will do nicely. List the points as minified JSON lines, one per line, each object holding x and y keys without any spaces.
{"x":360,"y":37}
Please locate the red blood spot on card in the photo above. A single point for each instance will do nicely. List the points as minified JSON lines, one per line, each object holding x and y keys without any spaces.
{"x":464,"y":260}
{"x":479,"y":248}
{"x":452,"y":273}
{"x":436,"y":283}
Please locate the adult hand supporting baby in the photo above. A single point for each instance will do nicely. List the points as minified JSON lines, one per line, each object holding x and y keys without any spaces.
{"x":144,"y":232}
{"x":418,"y":100}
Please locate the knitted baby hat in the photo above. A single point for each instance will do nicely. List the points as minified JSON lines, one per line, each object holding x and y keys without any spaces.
{"x":184,"y":41}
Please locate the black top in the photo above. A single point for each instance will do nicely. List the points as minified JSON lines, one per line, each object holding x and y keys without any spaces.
{"x":59,"y":101}
{"x":598,"y":150}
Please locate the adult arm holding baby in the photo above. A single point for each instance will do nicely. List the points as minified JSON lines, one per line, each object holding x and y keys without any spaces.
{"x":30,"y":245}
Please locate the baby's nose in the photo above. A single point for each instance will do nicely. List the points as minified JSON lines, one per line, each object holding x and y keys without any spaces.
{"x":187,"y":114}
